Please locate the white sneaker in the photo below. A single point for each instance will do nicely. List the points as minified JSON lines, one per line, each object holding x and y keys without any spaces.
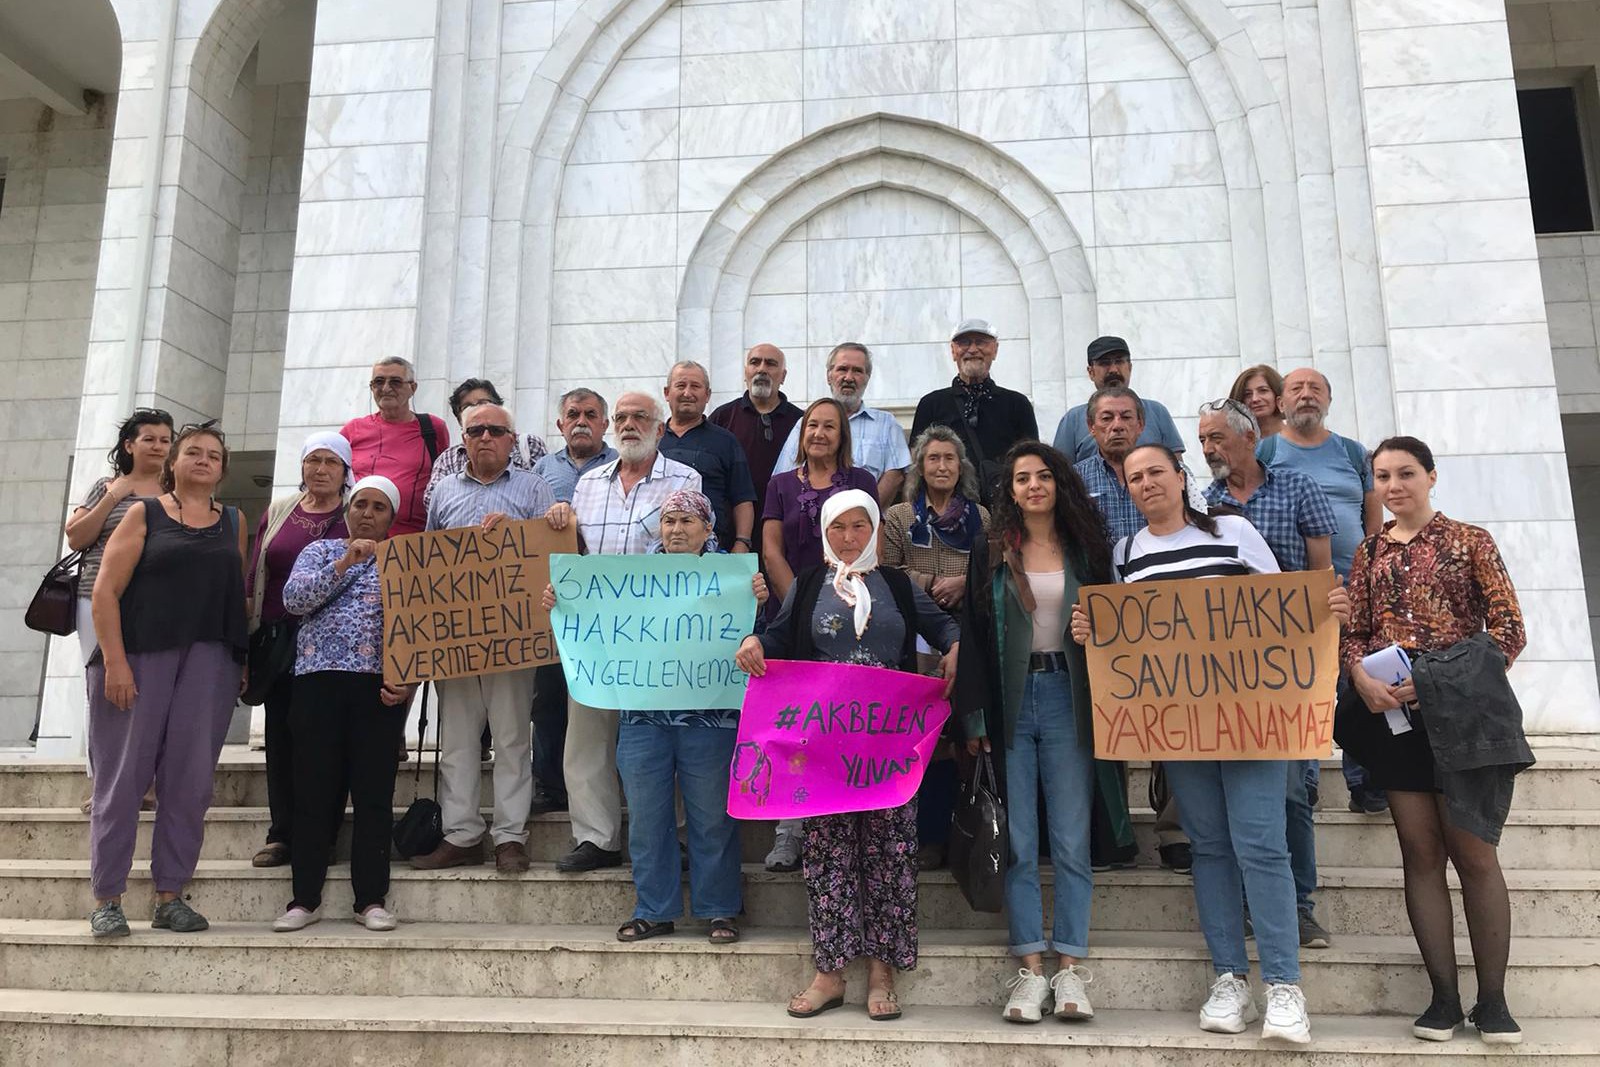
{"x":1071,"y":1000}
{"x":1230,"y":1008}
{"x":377,"y":918}
{"x":785,"y":854}
{"x":1286,"y":1018}
{"x":1030,"y":998}
{"x":296,"y":918}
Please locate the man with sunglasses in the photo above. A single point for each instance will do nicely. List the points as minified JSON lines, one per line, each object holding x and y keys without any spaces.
{"x":761,"y":419}
{"x":487,"y":492}
{"x":1111,"y":364}
{"x":396,"y":442}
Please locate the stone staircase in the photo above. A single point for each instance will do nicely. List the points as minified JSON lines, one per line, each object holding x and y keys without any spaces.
{"x":485,"y":967}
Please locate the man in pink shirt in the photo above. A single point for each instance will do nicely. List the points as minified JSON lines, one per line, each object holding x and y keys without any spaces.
{"x":396,"y":442}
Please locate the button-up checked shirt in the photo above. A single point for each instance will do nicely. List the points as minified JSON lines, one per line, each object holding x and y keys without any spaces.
{"x":558,"y":469}
{"x":462,"y":500}
{"x":453,"y":460}
{"x":1116,"y":505}
{"x":616,"y":524}
{"x":1286,"y":508}
{"x":876,"y":442}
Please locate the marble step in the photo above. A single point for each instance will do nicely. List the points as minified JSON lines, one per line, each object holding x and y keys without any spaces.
{"x":1565,"y":840}
{"x":1354,"y":900}
{"x":1564,"y":779}
{"x":183,"y":1030}
{"x":1549,"y":977}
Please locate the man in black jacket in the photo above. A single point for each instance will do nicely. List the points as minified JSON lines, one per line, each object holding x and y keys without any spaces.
{"x":988,"y":418}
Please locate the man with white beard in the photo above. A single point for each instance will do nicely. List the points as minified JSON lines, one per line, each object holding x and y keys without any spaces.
{"x":617,"y":506}
{"x":761,"y":419}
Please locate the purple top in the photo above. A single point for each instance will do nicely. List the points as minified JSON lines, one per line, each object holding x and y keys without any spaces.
{"x":300,"y":529}
{"x":799,"y":507}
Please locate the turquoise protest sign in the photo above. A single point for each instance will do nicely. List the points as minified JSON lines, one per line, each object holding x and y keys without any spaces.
{"x":653,"y":633}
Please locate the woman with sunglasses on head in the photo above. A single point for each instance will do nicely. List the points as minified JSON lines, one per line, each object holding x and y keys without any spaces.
{"x":143,"y":441}
{"x":170,"y":613}
{"x":1232,"y":810}
{"x":288,"y":525}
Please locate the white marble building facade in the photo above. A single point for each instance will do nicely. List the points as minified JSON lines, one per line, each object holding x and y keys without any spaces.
{"x":561,"y":192}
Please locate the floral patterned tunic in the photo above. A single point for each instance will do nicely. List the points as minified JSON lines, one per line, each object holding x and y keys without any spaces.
{"x":1444,"y":585}
{"x":347,"y":635}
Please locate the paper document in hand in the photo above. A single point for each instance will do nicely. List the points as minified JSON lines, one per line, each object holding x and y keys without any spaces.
{"x":1391,"y":666}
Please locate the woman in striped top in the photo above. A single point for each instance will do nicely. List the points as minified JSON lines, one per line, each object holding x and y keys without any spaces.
{"x":1232,"y":810}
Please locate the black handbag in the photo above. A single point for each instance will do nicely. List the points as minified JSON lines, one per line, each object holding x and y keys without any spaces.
{"x":421,"y":829}
{"x":54,"y":607}
{"x":980,"y":843}
{"x":272,"y":652}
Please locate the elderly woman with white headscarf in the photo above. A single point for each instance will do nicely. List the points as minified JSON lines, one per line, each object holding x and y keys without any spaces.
{"x":346,"y":720}
{"x":289,"y":524}
{"x":860,"y":868}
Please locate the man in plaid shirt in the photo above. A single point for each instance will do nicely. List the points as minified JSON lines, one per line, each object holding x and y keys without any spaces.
{"x":1296,"y":520}
{"x":617,"y":506}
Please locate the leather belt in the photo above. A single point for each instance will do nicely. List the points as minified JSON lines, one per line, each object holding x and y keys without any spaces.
{"x":1046,"y":662}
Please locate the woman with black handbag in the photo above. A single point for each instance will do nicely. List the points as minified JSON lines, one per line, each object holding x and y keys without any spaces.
{"x":347,"y":718}
{"x":1023,"y":681}
{"x":288,"y":525}
{"x":143,"y":441}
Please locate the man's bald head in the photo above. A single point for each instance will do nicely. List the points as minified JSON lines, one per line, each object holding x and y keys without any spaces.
{"x":764,"y":371}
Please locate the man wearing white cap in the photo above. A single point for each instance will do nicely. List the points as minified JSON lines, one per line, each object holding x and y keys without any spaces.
{"x":988,"y":418}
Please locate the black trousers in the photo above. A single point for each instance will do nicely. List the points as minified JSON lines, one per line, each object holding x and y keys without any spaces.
{"x":280,"y":769}
{"x":343,"y":733}
{"x":550,"y":730}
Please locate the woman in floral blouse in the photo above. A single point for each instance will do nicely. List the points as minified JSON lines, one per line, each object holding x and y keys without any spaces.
{"x":346,"y":719}
{"x":1425,"y":582}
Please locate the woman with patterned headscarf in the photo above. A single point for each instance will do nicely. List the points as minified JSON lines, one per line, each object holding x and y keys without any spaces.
{"x":860,"y":867}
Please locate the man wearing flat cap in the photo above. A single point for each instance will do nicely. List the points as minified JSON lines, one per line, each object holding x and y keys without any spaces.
{"x":988,"y":418}
{"x":1111,"y":364}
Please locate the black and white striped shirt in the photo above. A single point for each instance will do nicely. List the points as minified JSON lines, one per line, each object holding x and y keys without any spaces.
{"x":1236,"y":548}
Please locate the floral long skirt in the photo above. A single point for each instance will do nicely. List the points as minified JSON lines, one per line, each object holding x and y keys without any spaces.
{"x":861,"y":880}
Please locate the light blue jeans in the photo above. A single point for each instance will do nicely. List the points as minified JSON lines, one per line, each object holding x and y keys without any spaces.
{"x":1233,"y":812}
{"x":1045,"y":750}
{"x":652,"y":760}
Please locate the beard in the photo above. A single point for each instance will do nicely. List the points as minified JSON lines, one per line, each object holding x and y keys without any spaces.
{"x":1219,"y":467}
{"x":851,"y":401}
{"x":1305,"y":420}
{"x":1113,"y":378}
{"x":761,"y":387}
{"x":635,"y":451}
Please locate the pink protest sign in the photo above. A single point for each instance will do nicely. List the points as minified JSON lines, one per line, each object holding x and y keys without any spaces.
{"x":825,"y":738}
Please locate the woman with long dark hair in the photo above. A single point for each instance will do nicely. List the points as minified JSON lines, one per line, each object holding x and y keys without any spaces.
{"x":143,"y":441}
{"x":1045,"y":540}
{"x":1426,"y":582}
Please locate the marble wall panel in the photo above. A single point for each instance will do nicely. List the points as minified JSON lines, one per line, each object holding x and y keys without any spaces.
{"x":1452,"y":294}
{"x":1173,"y":328}
{"x":838,"y":23}
{"x":1156,"y":161}
{"x":1130,"y":55}
{"x":877,"y":70}
{"x":1457,"y":171}
{"x":642,"y":83}
{"x":1149,"y":216}
{"x":934,"y":107}
{"x":598,"y":241}
{"x":738,"y":129}
{"x":1154,"y":106}
{"x":1027,"y":113}
{"x":364,"y":172}
{"x":1470,"y":232}
{"x":1031,"y":59}
{"x":1387,"y":14}
{"x":1457,"y":52}
{"x":627,"y":136}
{"x":1472,"y":421}
{"x":353,"y":282}
{"x":1195,"y":271}
{"x":739,"y":78}
{"x":1453,"y":111}
{"x":613,"y":189}
{"x":643,"y":294}
{"x":754,"y":26}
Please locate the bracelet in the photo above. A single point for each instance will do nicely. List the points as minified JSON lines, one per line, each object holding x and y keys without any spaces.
{"x":745,"y":541}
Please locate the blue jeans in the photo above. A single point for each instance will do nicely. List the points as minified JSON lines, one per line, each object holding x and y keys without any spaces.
{"x":652,"y":760}
{"x":1301,"y":834}
{"x":1045,"y":750}
{"x":1234,"y":814}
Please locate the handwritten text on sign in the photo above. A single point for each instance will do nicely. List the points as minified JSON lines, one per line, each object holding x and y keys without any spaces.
{"x":653,"y":633}
{"x":463,"y":602}
{"x":825,"y":738}
{"x":1214,"y":668}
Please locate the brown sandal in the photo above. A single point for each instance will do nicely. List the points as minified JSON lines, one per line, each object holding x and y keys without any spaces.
{"x":272,"y":854}
{"x":811,"y":1008}
{"x":883,"y":996}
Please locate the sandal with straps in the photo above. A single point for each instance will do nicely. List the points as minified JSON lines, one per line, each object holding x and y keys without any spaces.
{"x":643,"y":930}
{"x":883,"y":996}
{"x":723,"y":932}
{"x":812,"y":1009}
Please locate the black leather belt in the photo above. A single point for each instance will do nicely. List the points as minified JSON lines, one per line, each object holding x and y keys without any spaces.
{"x":1046,"y":662}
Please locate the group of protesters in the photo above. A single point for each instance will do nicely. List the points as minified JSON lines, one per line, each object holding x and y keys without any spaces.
{"x":961,"y":555}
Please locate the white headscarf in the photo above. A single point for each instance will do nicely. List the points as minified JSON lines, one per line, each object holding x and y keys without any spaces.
{"x":380,"y":483}
{"x":329,"y":441}
{"x":849,"y":580}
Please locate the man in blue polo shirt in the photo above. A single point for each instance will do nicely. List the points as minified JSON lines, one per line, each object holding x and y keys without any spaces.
{"x":1110,"y":364}
{"x":715,"y":453}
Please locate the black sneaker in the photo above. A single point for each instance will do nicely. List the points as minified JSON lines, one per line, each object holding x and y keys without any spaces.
{"x":1494,"y":1022}
{"x":543,"y":804}
{"x":1368,"y":802}
{"x":1102,"y":866}
{"x":108,"y":921}
{"x":1249,"y":927}
{"x":1178,"y":858}
{"x":588,"y":856}
{"x":177,"y":916}
{"x":1440,"y":1021}
{"x":1312,"y":935}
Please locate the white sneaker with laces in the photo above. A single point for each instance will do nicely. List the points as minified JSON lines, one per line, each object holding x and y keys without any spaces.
{"x":1030,"y":998}
{"x":1071,"y":1000}
{"x":1286,"y":1018}
{"x":377,"y":918}
{"x":1230,"y":1008}
{"x":296,"y":918}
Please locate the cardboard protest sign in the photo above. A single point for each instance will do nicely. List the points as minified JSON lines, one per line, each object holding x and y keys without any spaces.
{"x":463,"y":602}
{"x":825,"y":738}
{"x":1214,"y":668}
{"x":653,"y":633}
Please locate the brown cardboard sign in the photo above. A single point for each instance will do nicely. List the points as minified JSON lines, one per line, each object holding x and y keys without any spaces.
{"x":464,"y":602}
{"x":1213,"y":668}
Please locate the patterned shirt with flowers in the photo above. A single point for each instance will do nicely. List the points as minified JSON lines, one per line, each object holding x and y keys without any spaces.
{"x":347,"y":635}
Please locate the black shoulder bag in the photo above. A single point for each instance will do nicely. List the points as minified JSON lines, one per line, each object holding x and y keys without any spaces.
{"x":420,"y":830}
{"x":54,"y":608}
{"x":273,"y":647}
